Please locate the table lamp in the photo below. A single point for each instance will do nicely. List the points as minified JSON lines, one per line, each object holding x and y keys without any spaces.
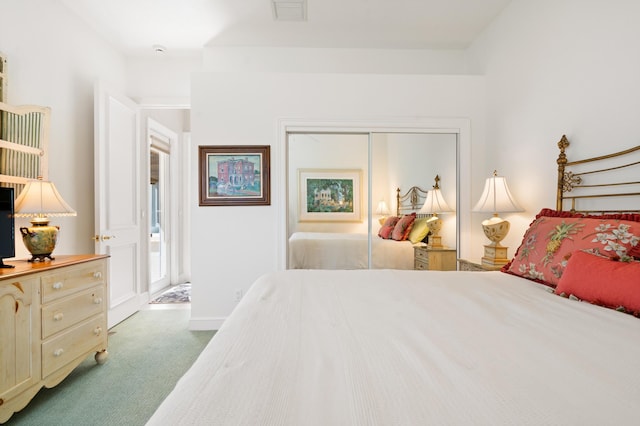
{"x":435,"y":204}
{"x":38,"y":200}
{"x":382,"y":210}
{"x":496,"y":198}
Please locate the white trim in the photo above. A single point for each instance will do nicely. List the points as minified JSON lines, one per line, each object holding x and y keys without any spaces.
{"x":459,"y":126}
{"x":206,"y":323}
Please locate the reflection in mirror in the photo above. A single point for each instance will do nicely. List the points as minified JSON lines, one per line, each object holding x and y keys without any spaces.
{"x":398,"y":160}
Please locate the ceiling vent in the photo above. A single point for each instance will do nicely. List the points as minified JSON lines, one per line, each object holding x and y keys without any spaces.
{"x":289,"y":10}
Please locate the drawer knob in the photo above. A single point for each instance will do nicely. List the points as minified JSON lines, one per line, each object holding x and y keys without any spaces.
{"x":58,"y":352}
{"x":97,"y":331}
{"x":58,"y":316}
{"x":97,"y":300}
{"x":58,"y":285}
{"x":97,"y":274}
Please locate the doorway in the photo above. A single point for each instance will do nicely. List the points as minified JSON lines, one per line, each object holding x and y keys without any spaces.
{"x":160,"y":214}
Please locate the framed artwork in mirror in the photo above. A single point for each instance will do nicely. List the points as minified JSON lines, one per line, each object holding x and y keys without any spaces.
{"x":234,"y":175}
{"x":329,"y":195}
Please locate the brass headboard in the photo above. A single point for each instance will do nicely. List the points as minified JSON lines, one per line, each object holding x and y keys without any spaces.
{"x":413,"y":199}
{"x":596,"y":180}
{"x":410,"y":201}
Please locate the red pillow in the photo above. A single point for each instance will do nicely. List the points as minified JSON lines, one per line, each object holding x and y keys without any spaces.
{"x":602,"y":281}
{"x":634,"y":217}
{"x":553,"y":236}
{"x":403,"y":227}
{"x":387,"y":228}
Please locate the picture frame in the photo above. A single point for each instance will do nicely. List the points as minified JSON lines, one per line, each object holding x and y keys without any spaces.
{"x":234,"y":175}
{"x":329,"y":195}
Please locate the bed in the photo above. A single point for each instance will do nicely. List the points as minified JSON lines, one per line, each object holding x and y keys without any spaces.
{"x":328,"y":250}
{"x":392,"y":347}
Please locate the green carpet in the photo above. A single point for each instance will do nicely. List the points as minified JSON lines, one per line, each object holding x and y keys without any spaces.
{"x":148,"y":353}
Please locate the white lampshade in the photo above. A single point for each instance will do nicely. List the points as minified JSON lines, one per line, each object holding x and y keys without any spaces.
{"x":382,"y":208}
{"x":40,"y":199}
{"x":496,"y":197}
{"x":434,"y":203}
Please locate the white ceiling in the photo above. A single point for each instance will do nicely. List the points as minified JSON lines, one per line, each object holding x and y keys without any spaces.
{"x":134,"y":26}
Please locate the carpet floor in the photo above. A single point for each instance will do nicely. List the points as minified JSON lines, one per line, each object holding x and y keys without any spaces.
{"x":148,"y":353}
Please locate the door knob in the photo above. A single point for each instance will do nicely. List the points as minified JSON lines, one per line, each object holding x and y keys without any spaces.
{"x":98,"y":238}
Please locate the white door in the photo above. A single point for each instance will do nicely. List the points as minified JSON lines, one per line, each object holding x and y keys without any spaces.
{"x":117,"y":199}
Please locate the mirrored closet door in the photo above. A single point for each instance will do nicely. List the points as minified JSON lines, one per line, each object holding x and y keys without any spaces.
{"x":336,"y":183}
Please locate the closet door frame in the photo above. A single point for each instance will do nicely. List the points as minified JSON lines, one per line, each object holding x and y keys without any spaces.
{"x":461,"y":127}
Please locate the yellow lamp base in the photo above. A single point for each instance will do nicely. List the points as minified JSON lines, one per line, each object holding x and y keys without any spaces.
{"x":495,"y":255}
{"x":434,"y":242}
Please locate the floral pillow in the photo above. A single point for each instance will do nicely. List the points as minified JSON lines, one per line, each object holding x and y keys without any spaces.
{"x":403,"y":227}
{"x":387,"y":227}
{"x":550,"y":240}
{"x":602,"y":281}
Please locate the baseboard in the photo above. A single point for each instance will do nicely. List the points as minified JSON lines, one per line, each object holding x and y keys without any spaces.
{"x":206,"y":323}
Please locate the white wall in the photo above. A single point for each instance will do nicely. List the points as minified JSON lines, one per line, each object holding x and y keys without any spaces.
{"x":53,"y":60}
{"x":555,"y":67}
{"x":232,"y":246}
{"x":330,"y":60}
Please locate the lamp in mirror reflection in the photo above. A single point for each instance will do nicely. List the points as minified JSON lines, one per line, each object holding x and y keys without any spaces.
{"x":38,"y":200}
{"x":383,"y":211}
{"x":434,"y":205}
{"x":496,"y":198}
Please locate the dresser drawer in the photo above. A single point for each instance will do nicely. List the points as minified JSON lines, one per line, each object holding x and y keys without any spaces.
{"x":420,"y":265}
{"x":58,"y":315}
{"x":421,"y":255}
{"x":67,"y":281}
{"x":73,"y":343}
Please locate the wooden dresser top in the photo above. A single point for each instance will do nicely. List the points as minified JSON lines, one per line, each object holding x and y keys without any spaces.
{"x":23,"y":267}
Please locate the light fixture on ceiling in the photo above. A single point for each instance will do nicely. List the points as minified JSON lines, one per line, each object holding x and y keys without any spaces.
{"x":159,"y":49}
{"x":289,"y":10}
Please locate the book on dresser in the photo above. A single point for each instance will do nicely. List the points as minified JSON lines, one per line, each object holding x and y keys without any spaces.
{"x":53,"y":314}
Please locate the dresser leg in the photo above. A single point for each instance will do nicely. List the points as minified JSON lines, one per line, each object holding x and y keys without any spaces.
{"x":101,"y":356}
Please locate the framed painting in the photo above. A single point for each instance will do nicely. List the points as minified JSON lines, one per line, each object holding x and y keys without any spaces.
{"x":329,"y":195}
{"x":234,"y":175}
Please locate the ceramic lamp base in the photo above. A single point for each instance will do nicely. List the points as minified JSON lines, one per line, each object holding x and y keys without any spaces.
{"x":495,"y":255}
{"x":434,"y":242}
{"x":40,"y":240}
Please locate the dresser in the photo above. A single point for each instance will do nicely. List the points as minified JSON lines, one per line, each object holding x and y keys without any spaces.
{"x":52,"y":316}
{"x":468,"y":265}
{"x":441,"y":259}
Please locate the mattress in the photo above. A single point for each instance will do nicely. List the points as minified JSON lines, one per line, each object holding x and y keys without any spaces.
{"x":325,"y":250}
{"x":411,"y":348}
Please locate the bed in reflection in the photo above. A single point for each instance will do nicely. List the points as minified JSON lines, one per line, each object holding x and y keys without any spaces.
{"x":326,"y":250}
{"x":391,"y":247}
{"x":551,"y":340}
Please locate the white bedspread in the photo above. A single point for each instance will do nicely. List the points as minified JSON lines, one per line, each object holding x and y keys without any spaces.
{"x":325,"y":250}
{"x":411,"y":348}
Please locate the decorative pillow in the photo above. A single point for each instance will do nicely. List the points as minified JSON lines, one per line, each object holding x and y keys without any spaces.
{"x":602,"y":281}
{"x":634,"y":217}
{"x":550,"y":240}
{"x":403,"y":227}
{"x":387,"y":228}
{"x":419,"y":230}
